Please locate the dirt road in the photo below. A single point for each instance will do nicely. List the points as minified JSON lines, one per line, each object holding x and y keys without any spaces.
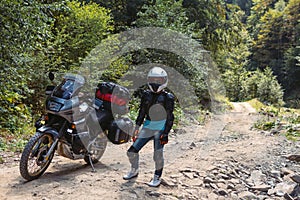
{"x":191,"y":156}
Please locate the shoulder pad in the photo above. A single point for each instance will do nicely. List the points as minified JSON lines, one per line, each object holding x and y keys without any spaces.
{"x":170,"y":95}
{"x":146,"y":93}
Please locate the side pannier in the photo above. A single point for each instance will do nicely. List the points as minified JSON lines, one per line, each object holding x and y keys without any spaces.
{"x":115,"y":97}
{"x":120,"y":130}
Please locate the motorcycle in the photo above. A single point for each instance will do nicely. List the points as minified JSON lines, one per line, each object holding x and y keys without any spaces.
{"x":72,"y":126}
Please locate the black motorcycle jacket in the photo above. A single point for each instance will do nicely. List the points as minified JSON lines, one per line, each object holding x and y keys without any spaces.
{"x":156,"y":107}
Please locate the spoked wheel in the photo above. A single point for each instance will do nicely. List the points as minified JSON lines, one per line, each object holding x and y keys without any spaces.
{"x":96,"y":148}
{"x":34,"y":161}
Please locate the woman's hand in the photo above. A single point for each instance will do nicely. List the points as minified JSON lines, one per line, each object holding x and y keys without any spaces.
{"x":135,"y":133}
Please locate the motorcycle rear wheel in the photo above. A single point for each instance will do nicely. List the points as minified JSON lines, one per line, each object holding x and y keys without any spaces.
{"x":96,"y":149}
{"x":33,"y":162}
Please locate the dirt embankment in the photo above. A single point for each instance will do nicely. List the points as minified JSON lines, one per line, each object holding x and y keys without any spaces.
{"x":225,"y":159}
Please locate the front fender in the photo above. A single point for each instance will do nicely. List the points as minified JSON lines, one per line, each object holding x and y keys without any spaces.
{"x":47,"y":129}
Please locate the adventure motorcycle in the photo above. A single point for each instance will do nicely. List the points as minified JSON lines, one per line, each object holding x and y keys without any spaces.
{"x":75,"y":129}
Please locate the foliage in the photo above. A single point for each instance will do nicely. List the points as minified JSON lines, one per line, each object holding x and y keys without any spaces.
{"x":268,"y":89}
{"x":244,"y":85}
{"x":72,"y":38}
{"x":166,"y":14}
{"x":124,"y":12}
{"x":256,"y":104}
{"x":25,"y":30}
{"x":278,"y":119}
{"x":274,"y":26}
{"x":45,"y":37}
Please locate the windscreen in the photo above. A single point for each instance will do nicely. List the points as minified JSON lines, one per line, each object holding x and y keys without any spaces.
{"x":65,"y":89}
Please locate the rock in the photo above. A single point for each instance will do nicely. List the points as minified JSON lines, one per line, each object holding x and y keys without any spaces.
{"x":221,"y":181}
{"x":196,"y":183}
{"x":169,"y":197}
{"x":190,"y":170}
{"x":234,"y":196}
{"x":280,"y":193}
{"x":234,"y":174}
{"x":55,"y":185}
{"x":288,"y":197}
{"x":212,"y":196}
{"x":234,"y":181}
{"x":294,"y":157}
{"x":179,"y":131}
{"x":222,"y":192}
{"x":264,"y":197}
{"x":153,"y":193}
{"x":275,"y":173}
{"x":192,"y":145}
{"x":245,"y":172}
{"x":286,"y":171}
{"x":296,"y":192}
{"x":231,"y":187}
{"x":61,"y":192}
{"x":282,"y":188}
{"x":256,"y":178}
{"x":247,"y":195}
{"x":214,"y":186}
{"x":175,"y":176}
{"x":296,"y":178}
{"x":189,"y":175}
{"x":208,"y":180}
{"x":168,"y":183}
{"x":222,"y":185}
{"x":262,"y":188}
{"x":224,"y":176}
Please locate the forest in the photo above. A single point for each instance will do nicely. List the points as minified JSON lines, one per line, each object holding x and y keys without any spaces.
{"x":254,"y":43}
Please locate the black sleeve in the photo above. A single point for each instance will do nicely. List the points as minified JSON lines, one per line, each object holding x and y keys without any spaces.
{"x":142,"y":110}
{"x":170,"y":116}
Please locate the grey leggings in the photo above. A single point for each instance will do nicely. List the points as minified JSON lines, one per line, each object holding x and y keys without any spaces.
{"x":144,"y":137}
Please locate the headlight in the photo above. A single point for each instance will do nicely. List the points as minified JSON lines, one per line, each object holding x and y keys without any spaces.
{"x":53,"y":106}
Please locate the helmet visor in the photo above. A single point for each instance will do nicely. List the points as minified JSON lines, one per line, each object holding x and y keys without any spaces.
{"x":157,"y":80}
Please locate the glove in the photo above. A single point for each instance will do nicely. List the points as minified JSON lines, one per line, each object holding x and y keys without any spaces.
{"x":135,"y":133}
{"x":164,"y":139}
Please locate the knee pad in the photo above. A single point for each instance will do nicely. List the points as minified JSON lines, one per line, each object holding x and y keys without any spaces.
{"x":158,"y":155}
{"x":158,"y":159}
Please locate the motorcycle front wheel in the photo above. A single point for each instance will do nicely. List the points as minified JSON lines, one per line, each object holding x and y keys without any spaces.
{"x":34,"y":161}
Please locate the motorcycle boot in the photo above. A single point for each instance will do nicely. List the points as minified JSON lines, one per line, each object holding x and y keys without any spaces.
{"x":155,"y":182}
{"x":131,"y":174}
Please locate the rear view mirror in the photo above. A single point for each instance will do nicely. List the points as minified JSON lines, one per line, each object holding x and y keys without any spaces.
{"x":49,"y":89}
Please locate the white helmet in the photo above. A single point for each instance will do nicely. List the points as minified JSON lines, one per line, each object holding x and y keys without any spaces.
{"x":157,"y":79}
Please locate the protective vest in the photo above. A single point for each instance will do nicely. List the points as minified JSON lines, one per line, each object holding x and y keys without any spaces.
{"x":156,"y":107}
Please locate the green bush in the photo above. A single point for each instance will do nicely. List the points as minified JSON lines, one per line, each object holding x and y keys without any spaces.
{"x":242,"y":85}
{"x":268,"y":88}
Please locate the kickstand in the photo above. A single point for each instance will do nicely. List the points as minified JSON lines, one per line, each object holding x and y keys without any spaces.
{"x":91,"y":163}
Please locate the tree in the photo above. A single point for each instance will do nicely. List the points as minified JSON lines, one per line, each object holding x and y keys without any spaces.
{"x":78,"y":31}
{"x":270,"y":41}
{"x":276,"y":37}
{"x":124,"y":12}
{"x":291,"y":30}
{"x":268,"y":88}
{"x":166,"y":14}
{"x":25,"y":31}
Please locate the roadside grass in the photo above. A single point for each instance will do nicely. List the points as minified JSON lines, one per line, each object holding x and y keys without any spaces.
{"x":281,"y":120}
